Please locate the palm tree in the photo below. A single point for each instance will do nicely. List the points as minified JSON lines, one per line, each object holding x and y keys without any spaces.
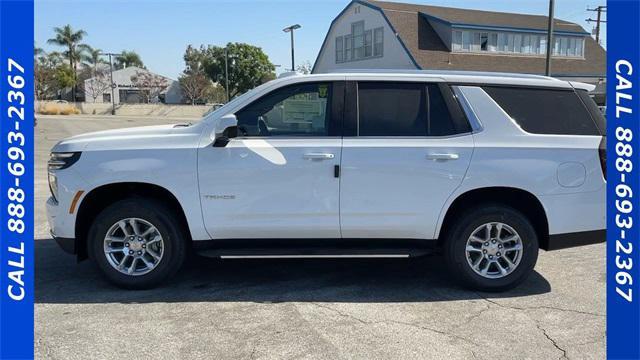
{"x":37,"y":51}
{"x":128,"y":58}
{"x":92,"y":57}
{"x":67,"y":37}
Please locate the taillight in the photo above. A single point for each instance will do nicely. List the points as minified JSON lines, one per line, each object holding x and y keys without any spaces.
{"x":602,"y":150}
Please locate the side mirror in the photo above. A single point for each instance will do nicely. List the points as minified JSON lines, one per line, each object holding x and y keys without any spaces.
{"x":225,"y":129}
{"x":225,"y":122}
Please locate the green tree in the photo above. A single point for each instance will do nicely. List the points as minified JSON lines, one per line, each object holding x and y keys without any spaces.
{"x":127,"y":59}
{"x":49,"y":80}
{"x":64,"y":76}
{"x":67,"y":37}
{"x":248,"y":65}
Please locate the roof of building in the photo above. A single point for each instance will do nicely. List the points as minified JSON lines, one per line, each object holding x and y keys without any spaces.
{"x":411,"y":24}
{"x":457,"y":16}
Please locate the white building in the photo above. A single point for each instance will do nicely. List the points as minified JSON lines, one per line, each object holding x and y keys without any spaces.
{"x":127,"y":91}
{"x":371,"y":34}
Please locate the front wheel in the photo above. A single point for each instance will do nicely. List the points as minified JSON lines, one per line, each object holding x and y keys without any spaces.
{"x":492,"y":248}
{"x":137,"y":243}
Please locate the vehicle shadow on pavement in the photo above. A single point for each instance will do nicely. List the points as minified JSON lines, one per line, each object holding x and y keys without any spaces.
{"x":60,"y":280}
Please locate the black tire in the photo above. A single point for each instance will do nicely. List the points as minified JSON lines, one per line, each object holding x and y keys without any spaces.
{"x":462,"y":229}
{"x":157,"y":214}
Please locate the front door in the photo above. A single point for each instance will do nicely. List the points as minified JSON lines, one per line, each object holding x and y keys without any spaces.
{"x":410,"y":149}
{"x":276,"y":178}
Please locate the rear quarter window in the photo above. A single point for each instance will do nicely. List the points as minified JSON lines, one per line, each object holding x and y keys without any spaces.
{"x":545,"y":111}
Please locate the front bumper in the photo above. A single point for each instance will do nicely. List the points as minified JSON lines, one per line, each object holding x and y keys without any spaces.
{"x":67,"y":244}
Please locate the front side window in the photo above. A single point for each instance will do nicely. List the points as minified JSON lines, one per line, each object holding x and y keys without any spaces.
{"x":297,"y":110}
{"x":403,"y":109}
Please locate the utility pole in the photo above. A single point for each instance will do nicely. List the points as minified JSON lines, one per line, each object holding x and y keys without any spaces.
{"x":550,"y":44}
{"x":600,"y":9}
{"x":113,"y":85}
{"x":289,"y":29}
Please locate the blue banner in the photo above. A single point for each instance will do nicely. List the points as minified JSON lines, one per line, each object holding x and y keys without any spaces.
{"x":623,"y":169}
{"x":16,"y":182}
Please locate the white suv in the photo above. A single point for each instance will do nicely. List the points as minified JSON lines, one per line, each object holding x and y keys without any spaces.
{"x":487,"y":168}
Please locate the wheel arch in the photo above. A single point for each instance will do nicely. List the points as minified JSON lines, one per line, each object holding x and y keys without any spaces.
{"x":519,"y":199}
{"x":102,"y":196}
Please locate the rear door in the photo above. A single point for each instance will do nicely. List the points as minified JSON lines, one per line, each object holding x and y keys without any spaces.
{"x":407,"y":148}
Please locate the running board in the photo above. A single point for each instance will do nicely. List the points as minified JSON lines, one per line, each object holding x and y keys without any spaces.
{"x":313,"y":248}
{"x":337,"y":256}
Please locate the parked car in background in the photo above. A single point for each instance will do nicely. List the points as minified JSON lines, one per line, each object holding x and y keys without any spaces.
{"x":486,"y":168}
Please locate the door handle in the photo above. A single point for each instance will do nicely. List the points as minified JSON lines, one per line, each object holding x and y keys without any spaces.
{"x":443,"y":156}
{"x":319,"y":156}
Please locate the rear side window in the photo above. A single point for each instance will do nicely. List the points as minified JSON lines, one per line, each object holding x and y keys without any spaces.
{"x":545,"y":111}
{"x":403,"y":109}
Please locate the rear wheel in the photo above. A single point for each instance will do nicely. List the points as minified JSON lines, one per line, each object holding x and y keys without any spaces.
{"x":137,"y":243}
{"x":491,"y":248}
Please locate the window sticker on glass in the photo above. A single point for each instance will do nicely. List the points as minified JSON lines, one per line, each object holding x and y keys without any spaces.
{"x":323,"y":90}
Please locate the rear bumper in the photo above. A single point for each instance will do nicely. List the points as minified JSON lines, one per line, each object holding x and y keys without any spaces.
{"x":568,"y":240}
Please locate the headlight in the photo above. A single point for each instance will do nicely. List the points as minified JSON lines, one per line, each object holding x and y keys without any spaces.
{"x":59,"y":161}
{"x":53,"y":185}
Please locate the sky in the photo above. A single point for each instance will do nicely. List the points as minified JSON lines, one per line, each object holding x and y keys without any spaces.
{"x":160,"y":30}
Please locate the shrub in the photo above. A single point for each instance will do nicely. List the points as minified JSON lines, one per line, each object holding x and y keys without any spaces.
{"x":57,"y":109}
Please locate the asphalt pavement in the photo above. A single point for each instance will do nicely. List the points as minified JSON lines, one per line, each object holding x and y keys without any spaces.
{"x":306,"y":309}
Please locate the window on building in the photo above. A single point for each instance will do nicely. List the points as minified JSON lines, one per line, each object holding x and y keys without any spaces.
{"x":526,"y":44}
{"x":484,"y":41}
{"x":502,"y":42}
{"x":493,"y":42}
{"x":535,"y":44}
{"x":347,"y":48}
{"x":378,"y":41}
{"x":544,"y":111}
{"x":368,"y":44}
{"x":339,"y":50}
{"x":457,"y":40}
{"x":359,"y":44}
{"x":357,"y":34}
{"x":515,"y":43}
{"x":510,"y":43}
{"x":475,"y":43}
{"x":106,"y":98}
{"x":466,"y":41}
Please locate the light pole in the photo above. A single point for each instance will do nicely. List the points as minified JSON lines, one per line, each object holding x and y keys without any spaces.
{"x":289,"y":29}
{"x":113,"y":86}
